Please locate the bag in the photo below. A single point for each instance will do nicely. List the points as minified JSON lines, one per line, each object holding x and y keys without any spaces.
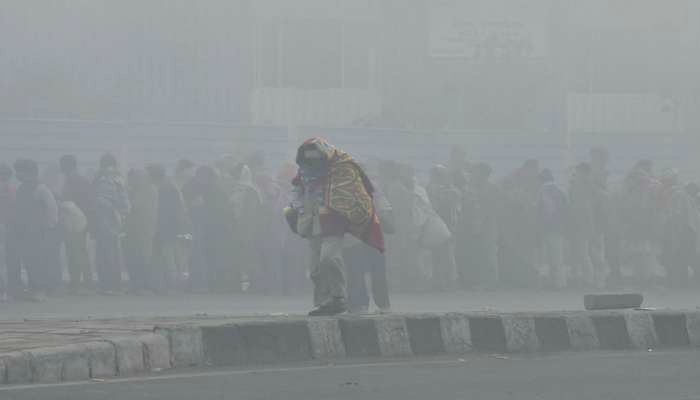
{"x":434,"y":232}
{"x":73,"y":218}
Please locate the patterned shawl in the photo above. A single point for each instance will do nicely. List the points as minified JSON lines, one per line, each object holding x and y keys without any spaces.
{"x":348,"y":192}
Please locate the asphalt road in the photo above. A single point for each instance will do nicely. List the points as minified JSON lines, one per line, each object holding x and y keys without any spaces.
{"x":667,"y":375}
{"x":81,"y":307}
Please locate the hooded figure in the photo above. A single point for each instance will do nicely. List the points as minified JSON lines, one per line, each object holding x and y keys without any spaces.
{"x":332,"y":196}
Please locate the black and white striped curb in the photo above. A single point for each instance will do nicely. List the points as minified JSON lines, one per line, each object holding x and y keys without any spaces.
{"x":283,"y":340}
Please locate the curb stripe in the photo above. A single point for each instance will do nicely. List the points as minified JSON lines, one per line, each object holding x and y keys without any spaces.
{"x":265,"y":342}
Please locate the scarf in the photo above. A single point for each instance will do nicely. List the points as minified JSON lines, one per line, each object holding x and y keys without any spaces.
{"x":348,"y":191}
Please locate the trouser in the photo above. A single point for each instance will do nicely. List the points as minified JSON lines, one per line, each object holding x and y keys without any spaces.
{"x":696,"y":268}
{"x":489,"y":270}
{"x":444,"y":266}
{"x":328,"y":270}
{"x":33,"y":252}
{"x":553,"y":256}
{"x":359,"y":261}
{"x":468,"y":257}
{"x":643,"y":257}
{"x":13,"y":263}
{"x":589,"y":259}
{"x":107,"y":260}
{"x":77,"y":257}
{"x":3,"y":260}
{"x":678,"y":255}
{"x":183,"y":257}
{"x":613,"y":254}
{"x":167,"y":270}
{"x":215,"y":266}
{"x":199,"y":273}
{"x":138,"y":251}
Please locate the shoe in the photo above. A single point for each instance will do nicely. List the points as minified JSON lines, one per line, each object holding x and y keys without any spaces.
{"x":334,"y":308}
{"x":319,"y":312}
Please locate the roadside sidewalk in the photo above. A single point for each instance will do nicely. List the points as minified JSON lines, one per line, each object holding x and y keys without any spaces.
{"x":57,"y":351}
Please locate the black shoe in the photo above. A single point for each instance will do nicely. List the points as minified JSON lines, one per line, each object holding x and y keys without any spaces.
{"x":334,"y":308}
{"x":319,"y":312}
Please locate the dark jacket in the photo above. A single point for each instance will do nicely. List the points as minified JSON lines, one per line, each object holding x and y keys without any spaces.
{"x":111,"y":202}
{"x":37,"y":211}
{"x":78,"y":189}
{"x":172,"y":215}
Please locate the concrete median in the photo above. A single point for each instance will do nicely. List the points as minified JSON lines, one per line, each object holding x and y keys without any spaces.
{"x":259,"y":341}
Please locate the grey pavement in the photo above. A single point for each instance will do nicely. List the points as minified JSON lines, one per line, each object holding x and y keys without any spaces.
{"x":82,"y":307}
{"x":668,"y":375}
{"x":79,"y":319}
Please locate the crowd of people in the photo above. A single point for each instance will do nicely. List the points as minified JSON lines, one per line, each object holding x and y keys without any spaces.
{"x":220,"y":228}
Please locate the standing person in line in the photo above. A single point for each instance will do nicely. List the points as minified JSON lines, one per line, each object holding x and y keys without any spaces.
{"x":553,"y":216}
{"x":53,"y":178}
{"x":608,"y":219}
{"x":588,"y":248}
{"x":184,"y":173}
{"x":140,"y":230}
{"x":111,"y":206}
{"x":249,"y":271}
{"x":518,"y":230}
{"x":34,"y":232}
{"x":290,"y":252}
{"x":446,"y":201}
{"x":636,"y":210}
{"x":679,"y":224}
{"x":170,"y":228}
{"x":403,"y":256}
{"x":332,"y":197}
{"x":693,"y":191}
{"x":485,"y":225}
{"x":214,"y":231}
{"x":8,"y":191}
{"x":78,"y":191}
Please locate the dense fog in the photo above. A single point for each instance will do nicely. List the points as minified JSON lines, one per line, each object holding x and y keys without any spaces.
{"x":510,"y":144}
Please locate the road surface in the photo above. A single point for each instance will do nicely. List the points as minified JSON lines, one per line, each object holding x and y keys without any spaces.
{"x":667,"y":375}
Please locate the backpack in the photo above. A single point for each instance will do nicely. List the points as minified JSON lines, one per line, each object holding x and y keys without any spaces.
{"x":72,"y":218}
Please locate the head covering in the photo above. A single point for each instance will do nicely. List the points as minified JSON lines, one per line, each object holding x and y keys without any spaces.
{"x":349,"y":190}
